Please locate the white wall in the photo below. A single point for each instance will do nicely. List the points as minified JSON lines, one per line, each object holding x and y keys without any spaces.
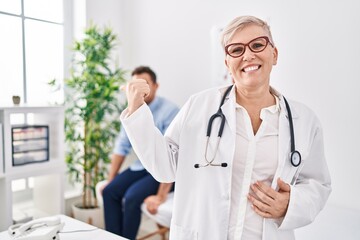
{"x":319,"y":60}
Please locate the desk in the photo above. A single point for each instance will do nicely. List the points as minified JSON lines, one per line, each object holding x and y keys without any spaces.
{"x":72,"y":224}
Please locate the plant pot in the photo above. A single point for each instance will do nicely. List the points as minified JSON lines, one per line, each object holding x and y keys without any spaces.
{"x":93,"y":216}
{"x":16,"y":100}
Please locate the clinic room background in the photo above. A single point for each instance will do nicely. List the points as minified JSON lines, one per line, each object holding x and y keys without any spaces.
{"x":319,"y":59}
{"x":318,"y":65}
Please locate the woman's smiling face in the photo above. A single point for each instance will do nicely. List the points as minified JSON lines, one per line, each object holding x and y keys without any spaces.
{"x":251,"y":70}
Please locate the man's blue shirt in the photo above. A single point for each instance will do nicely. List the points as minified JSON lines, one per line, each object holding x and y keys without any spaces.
{"x":163,"y":112}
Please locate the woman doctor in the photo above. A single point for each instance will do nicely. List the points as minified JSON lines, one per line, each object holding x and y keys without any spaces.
{"x":246,"y":178}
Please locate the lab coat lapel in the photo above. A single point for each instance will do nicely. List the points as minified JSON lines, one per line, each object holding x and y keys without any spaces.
{"x":284,"y":170}
{"x":284,"y":145}
{"x":228,"y":109}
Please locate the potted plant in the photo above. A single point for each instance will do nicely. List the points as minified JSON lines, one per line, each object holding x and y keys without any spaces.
{"x":92,"y":112}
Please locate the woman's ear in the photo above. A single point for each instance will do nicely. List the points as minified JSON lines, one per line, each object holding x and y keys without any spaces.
{"x":275,"y":56}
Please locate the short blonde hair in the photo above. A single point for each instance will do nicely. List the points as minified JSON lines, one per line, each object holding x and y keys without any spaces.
{"x":240,"y":23}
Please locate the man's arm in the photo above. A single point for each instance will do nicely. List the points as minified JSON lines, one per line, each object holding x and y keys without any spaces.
{"x":154,"y":201}
{"x":163,"y":191}
{"x":116,"y":162}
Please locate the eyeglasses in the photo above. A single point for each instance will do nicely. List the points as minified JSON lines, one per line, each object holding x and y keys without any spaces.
{"x":256,"y":45}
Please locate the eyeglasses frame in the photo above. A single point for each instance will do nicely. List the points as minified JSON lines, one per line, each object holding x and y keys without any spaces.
{"x":247,"y":45}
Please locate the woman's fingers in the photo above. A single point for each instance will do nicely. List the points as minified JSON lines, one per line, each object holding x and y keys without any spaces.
{"x":267,"y":202}
{"x":136,"y":91}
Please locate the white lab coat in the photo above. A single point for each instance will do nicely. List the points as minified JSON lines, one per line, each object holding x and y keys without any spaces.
{"x":203,"y":195}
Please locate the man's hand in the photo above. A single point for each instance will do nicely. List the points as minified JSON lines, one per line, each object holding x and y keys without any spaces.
{"x":136,"y":91}
{"x":267,"y":202}
{"x":152,"y":203}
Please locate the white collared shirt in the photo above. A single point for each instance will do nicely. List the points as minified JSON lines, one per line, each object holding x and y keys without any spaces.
{"x":256,"y":159}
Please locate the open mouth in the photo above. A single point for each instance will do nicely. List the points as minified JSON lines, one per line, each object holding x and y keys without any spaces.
{"x":251,"y":68}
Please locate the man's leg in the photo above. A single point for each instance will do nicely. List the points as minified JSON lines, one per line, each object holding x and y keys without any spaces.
{"x":113,"y":195}
{"x":133,"y":199}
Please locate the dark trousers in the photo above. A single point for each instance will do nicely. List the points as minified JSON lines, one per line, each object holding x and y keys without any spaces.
{"x":122,"y":200}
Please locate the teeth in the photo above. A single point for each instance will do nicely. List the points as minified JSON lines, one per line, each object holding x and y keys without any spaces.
{"x":252,"y":68}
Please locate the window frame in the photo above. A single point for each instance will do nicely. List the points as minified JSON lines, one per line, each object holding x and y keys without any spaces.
{"x":67,"y":34}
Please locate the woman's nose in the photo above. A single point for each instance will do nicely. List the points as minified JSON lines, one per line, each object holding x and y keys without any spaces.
{"x":248,"y":54}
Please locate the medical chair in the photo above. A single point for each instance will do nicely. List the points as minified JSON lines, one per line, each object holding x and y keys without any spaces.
{"x":162,"y":218}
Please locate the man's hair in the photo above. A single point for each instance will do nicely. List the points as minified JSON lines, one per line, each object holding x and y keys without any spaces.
{"x":241,"y":22}
{"x":144,"y":69}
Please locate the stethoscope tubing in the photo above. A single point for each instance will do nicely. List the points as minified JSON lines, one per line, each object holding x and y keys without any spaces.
{"x":295,"y":156}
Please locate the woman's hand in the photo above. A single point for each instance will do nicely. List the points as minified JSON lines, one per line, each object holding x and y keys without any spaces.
{"x":267,"y":202}
{"x":136,"y":91}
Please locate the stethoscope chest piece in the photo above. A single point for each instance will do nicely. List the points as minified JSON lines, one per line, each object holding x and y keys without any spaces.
{"x":295,"y":158}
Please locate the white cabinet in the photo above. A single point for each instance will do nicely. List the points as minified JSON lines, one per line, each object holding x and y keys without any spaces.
{"x":1,"y":153}
{"x":42,"y":158}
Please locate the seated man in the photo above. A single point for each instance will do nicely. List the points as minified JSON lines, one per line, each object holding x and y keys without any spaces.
{"x":125,"y":192}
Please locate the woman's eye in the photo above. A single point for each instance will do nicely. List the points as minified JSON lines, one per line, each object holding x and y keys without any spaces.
{"x":237,"y":50}
{"x":257,"y":46}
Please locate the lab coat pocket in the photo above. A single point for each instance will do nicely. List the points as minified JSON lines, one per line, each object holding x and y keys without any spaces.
{"x":179,"y":233}
{"x":290,"y":174}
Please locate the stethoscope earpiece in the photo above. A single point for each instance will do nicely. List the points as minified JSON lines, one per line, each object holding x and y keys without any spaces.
{"x":211,"y":164}
{"x":218,"y":114}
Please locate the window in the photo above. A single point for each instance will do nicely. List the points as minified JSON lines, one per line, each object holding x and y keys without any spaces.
{"x":32,"y":50}
{"x":32,"y":53}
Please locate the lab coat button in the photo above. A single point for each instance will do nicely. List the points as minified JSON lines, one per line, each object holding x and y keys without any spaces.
{"x":225,"y":196}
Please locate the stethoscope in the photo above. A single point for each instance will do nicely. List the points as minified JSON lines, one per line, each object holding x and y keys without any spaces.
{"x":295,"y":156}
